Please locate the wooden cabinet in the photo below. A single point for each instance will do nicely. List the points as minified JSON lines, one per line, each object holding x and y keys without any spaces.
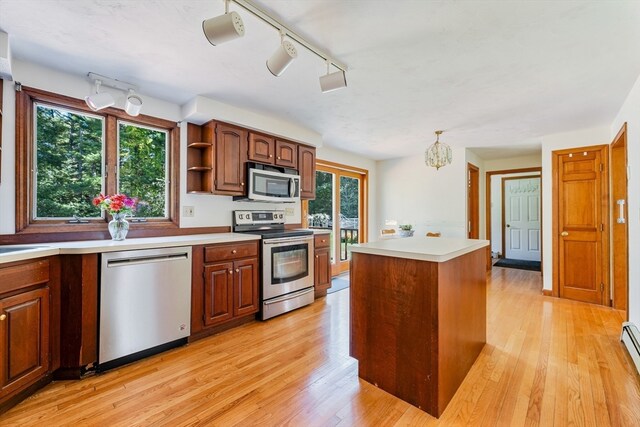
{"x":217,"y":154}
{"x":24,"y":339}
{"x":230,"y":159}
{"x":286,"y":154}
{"x":199,"y":159}
{"x":307,"y":171}
{"x":261,"y":148}
{"x":29,"y":327}
{"x":225,"y":283}
{"x":322,"y":264}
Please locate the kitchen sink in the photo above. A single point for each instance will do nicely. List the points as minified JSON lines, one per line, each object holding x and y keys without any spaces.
{"x":20,"y":249}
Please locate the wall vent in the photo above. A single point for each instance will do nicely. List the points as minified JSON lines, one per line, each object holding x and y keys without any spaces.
{"x":630,"y":337}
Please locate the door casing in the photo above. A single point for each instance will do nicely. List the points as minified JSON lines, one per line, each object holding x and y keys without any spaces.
{"x":620,"y":232}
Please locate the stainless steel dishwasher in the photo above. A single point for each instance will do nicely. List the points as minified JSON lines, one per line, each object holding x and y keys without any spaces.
{"x":145,"y":303}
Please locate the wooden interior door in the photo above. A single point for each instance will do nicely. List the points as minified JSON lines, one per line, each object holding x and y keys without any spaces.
{"x":473,"y":202}
{"x":582,"y":224}
{"x":620,"y":230}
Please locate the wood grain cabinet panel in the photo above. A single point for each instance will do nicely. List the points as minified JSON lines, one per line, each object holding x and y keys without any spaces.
{"x":322,"y":271}
{"x":24,"y":339}
{"x":245,"y":283}
{"x":230,"y":160}
{"x":307,"y":171}
{"x":261,"y":148}
{"x":286,"y":154}
{"x":218,"y":293}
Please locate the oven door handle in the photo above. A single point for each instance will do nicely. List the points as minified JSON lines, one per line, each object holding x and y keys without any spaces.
{"x":296,"y":239}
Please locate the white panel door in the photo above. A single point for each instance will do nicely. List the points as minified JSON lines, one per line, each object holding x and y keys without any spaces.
{"x":522,"y":218}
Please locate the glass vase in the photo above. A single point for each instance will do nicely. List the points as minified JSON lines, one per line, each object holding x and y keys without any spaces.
{"x":118,"y":227}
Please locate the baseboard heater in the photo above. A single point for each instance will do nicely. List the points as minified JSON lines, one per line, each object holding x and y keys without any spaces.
{"x":630,"y":337}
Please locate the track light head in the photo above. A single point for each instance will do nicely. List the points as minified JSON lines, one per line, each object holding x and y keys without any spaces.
{"x":282,"y":58}
{"x":133,"y":104}
{"x":99,"y":101}
{"x":333,"y":81}
{"x":223,"y":28}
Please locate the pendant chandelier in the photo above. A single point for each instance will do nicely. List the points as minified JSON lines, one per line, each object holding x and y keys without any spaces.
{"x":438,"y":154}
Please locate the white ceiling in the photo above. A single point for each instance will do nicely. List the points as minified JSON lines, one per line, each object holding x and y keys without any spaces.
{"x":490,"y":73}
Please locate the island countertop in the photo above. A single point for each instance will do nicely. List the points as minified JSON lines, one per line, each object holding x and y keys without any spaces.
{"x":434,"y":249}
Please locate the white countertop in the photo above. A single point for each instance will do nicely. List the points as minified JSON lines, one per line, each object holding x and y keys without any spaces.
{"x":434,"y":249}
{"x":99,"y":246}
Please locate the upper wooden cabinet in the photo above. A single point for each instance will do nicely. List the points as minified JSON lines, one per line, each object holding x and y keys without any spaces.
{"x":261,"y":148}
{"x":230,"y":159}
{"x":217,"y":154}
{"x":307,"y":171}
{"x":286,"y":154}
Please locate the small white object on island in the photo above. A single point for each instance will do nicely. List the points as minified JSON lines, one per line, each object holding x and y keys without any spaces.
{"x":439,"y":249}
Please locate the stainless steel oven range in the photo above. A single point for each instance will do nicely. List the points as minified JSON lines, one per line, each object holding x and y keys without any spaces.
{"x":287,"y":261}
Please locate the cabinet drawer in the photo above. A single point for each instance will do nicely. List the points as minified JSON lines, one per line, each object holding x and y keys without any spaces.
{"x":321,"y":240}
{"x":23,"y":275}
{"x":231,"y":251}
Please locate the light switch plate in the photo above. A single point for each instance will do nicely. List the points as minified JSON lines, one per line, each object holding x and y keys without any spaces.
{"x":188,"y":211}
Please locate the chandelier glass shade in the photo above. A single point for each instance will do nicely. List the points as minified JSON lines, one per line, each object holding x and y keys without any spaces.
{"x":438,"y":154}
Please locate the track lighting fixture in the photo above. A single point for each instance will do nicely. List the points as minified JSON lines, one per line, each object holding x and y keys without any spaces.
{"x":133,"y":104}
{"x":223,"y":28}
{"x":98,"y":100}
{"x":332,"y":81}
{"x":282,"y":57}
{"x":229,"y":26}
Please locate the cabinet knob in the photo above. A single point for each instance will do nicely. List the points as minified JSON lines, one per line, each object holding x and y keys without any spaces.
{"x":230,"y":271}
{"x":234,"y":251}
{"x":317,"y":257}
{"x":323,"y":240}
{"x":242,"y":184}
{"x":237,"y":270}
{"x":3,"y":316}
{"x":278,"y":157}
{"x":270,"y":155}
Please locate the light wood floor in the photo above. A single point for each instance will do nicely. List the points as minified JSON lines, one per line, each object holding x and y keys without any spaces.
{"x":547,"y":362}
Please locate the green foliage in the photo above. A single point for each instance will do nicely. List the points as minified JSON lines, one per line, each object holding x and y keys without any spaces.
{"x":69,"y":163}
{"x":69,"y":158}
{"x":143,"y":153}
{"x":349,"y":195}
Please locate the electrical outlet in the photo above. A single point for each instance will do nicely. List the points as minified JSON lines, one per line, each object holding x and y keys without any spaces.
{"x":288,"y":211}
{"x":188,"y":211}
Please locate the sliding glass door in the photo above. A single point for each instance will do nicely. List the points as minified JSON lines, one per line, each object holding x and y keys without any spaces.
{"x":339,"y":208}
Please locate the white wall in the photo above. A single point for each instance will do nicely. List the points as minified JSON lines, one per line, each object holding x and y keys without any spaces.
{"x":578,"y":138}
{"x":630,"y":113}
{"x":209,"y":210}
{"x":350,"y":159}
{"x":430,"y":199}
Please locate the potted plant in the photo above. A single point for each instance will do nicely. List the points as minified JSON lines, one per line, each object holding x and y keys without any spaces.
{"x":406,"y":230}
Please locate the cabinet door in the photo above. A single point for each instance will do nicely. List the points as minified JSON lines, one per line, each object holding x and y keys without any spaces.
{"x":307,"y":170}
{"x":286,"y":154}
{"x":246,"y":287}
{"x":231,"y":156}
{"x":322,"y":267}
{"x":261,"y":148}
{"x":24,"y":339}
{"x":218,"y":293}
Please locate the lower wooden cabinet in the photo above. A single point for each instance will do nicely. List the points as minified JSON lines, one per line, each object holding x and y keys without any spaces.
{"x":322,"y":265}
{"x":225,"y":283}
{"x":24,"y":339}
{"x":29,"y":327}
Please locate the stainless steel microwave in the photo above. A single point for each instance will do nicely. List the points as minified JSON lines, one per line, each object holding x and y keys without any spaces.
{"x":271,"y":184}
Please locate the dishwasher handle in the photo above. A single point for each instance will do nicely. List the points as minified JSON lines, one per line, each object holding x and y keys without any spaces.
{"x":123,"y":262}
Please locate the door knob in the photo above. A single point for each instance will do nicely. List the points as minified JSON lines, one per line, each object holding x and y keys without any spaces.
{"x":508,"y":225}
{"x":564,"y":233}
{"x":3,"y":316}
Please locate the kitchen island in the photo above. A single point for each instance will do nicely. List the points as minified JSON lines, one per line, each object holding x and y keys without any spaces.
{"x":418,"y":315}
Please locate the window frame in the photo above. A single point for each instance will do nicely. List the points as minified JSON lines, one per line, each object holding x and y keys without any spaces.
{"x":26,"y":98}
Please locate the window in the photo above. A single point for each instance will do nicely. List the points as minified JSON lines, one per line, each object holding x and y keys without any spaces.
{"x":67,"y":154}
